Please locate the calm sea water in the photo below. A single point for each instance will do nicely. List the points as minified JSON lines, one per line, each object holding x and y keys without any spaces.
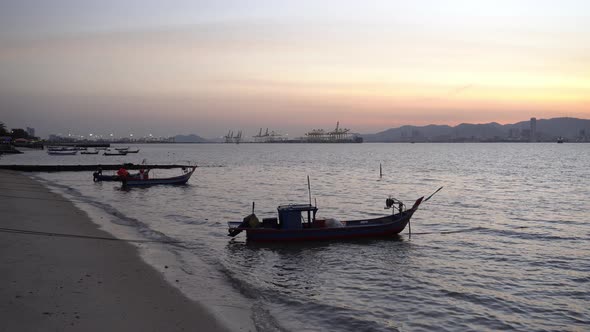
{"x":504,"y":246}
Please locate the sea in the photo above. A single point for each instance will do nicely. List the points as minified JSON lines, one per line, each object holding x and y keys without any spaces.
{"x":505,"y":245}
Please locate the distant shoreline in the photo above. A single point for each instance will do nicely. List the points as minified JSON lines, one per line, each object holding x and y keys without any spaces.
{"x":331,"y":143}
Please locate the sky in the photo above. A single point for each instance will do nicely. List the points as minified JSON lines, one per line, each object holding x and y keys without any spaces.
{"x":207,"y":67}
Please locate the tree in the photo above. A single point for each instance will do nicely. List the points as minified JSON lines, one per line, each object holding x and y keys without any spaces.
{"x":3,"y":131}
{"x":19,"y":133}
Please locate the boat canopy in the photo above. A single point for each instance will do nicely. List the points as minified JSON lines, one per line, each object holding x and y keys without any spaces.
{"x":290,"y":215}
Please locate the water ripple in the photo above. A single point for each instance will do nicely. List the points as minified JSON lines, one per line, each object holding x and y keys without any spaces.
{"x":502,"y":247}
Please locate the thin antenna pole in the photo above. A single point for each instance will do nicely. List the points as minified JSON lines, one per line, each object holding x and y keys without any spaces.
{"x":253,"y":207}
{"x":309,"y":189}
{"x":437,"y":190}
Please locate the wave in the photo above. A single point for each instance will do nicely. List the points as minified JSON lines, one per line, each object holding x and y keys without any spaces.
{"x":120,"y":217}
{"x":530,"y":235}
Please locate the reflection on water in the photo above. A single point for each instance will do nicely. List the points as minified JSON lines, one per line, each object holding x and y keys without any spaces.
{"x":504,"y":246}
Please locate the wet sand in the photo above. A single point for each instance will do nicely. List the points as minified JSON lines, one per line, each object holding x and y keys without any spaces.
{"x":53,"y":283}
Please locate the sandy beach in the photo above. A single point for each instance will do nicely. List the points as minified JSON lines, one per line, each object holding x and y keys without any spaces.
{"x":56,"y":283}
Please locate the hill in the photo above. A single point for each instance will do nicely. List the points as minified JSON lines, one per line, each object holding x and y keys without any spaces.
{"x":572,"y":129}
{"x":192,"y":138}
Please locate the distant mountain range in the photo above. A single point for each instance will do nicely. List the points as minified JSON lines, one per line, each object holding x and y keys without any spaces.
{"x":547,"y":130}
{"x":571,"y":129}
{"x":192,"y":138}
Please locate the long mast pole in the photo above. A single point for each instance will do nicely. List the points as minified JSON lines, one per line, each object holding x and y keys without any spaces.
{"x":309,"y":189}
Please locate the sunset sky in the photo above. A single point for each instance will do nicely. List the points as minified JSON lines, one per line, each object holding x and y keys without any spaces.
{"x":205,"y":67}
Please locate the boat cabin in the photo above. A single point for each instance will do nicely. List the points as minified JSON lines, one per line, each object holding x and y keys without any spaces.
{"x":294,"y":216}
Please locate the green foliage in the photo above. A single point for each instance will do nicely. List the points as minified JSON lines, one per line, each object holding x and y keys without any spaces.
{"x":3,"y":131}
{"x":19,"y":133}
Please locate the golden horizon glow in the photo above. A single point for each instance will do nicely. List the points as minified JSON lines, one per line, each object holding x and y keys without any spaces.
{"x":371,"y":72}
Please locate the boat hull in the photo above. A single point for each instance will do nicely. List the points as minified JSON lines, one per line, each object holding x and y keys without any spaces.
{"x":358,"y":229}
{"x":99,"y":177}
{"x":62,"y":153}
{"x":151,"y":182}
{"x":182,"y":179}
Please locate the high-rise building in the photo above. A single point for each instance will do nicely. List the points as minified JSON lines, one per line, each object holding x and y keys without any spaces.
{"x":533,"y":137}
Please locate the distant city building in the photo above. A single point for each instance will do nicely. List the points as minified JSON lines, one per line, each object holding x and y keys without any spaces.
{"x":108,"y":139}
{"x":533,"y":136}
{"x":31,"y":131}
{"x":582,"y":137}
{"x":416,"y":133}
{"x":514,"y":133}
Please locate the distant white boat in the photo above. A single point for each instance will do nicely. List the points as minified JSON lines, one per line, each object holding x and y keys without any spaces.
{"x":115,"y":153}
{"x":62,"y":152}
{"x":59,"y":148}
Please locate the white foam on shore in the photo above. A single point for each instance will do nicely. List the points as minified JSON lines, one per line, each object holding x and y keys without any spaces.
{"x":196,"y":279}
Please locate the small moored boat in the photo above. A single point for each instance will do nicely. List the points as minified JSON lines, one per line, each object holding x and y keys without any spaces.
{"x":61,"y":152}
{"x":114,"y":153}
{"x":99,"y":177}
{"x":298,"y":223}
{"x":139,"y":181}
{"x":89,"y":152}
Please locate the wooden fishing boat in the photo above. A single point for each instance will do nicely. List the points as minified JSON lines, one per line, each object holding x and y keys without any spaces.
{"x":61,"y":148}
{"x":61,"y":152}
{"x":114,"y":153}
{"x":99,"y":177}
{"x":299,"y":223}
{"x":138,"y":181}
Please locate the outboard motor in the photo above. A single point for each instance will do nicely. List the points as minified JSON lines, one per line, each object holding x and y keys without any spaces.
{"x":389,"y":203}
{"x":250,"y":221}
{"x":96,"y":174}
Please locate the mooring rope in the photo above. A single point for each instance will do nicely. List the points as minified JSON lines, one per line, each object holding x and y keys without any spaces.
{"x":451,"y":232}
{"x":44,"y":199}
{"x":31,"y":232}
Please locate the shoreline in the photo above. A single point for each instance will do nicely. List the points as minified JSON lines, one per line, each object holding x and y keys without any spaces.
{"x":57,"y":283}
